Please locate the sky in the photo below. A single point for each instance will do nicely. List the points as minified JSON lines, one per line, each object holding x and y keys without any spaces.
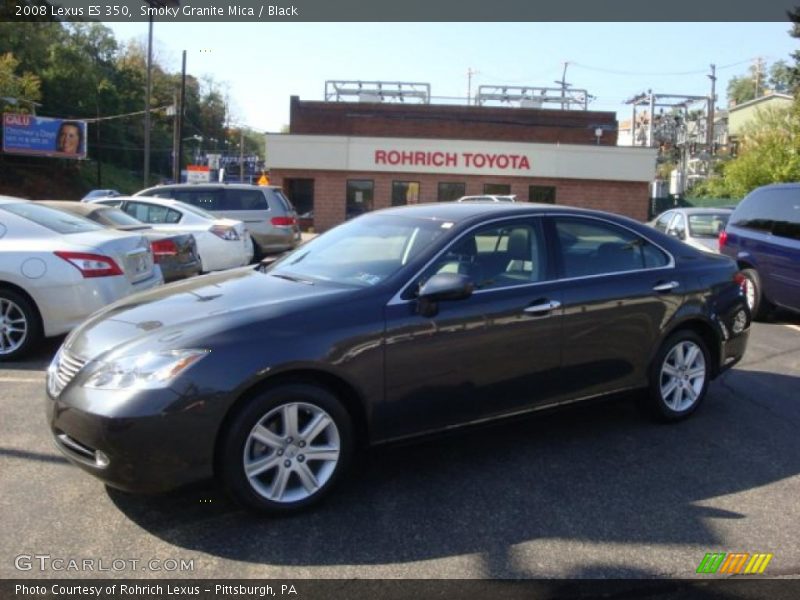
{"x":261,"y":65}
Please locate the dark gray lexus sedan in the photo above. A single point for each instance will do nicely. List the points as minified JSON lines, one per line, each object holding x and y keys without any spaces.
{"x":398,"y":323}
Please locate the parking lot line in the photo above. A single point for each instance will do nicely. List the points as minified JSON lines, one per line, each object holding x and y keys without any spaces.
{"x":13,"y":379}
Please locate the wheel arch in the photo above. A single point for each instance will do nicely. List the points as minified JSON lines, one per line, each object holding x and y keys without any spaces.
{"x":7,"y":285}
{"x":707,"y":332}
{"x":347,"y":394}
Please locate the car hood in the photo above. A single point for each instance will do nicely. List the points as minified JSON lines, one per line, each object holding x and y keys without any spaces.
{"x":187,"y":313}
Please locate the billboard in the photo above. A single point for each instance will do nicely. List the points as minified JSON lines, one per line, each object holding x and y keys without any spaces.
{"x":43,"y":136}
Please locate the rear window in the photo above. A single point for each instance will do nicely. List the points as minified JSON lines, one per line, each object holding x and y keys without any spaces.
{"x":282,"y":200}
{"x":707,"y":226}
{"x":52,"y":219}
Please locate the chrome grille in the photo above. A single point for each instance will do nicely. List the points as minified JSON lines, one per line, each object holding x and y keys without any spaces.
{"x":67,"y":367}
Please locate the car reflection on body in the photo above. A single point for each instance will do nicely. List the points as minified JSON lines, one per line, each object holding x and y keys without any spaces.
{"x":398,"y":323}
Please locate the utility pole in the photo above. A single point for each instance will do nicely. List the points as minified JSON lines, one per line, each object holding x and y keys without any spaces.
{"x":563,"y":83}
{"x":241,"y":154}
{"x":179,"y":117}
{"x":711,"y":102}
{"x":470,"y":73}
{"x":758,"y":76}
{"x":148,"y":88}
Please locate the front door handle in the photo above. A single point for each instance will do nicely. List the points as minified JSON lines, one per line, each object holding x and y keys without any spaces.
{"x":666,"y":286}
{"x":543,"y":307}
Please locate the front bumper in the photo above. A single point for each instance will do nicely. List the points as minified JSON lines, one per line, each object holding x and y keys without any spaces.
{"x":130,"y":446}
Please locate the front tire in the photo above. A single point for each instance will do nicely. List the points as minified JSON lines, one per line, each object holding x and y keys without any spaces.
{"x":679,"y":377}
{"x":20,"y":325}
{"x":286,"y":449}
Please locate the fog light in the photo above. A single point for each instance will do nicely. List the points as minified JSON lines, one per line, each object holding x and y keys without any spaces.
{"x":739,"y":322}
{"x":101,"y":459}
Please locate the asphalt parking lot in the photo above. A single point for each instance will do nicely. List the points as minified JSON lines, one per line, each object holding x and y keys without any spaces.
{"x":597,"y":491}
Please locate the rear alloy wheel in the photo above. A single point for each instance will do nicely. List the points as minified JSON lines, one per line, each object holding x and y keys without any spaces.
{"x":20,"y":326}
{"x":679,"y":377}
{"x":286,"y":449}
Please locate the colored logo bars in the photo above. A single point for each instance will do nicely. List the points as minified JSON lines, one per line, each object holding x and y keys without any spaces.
{"x":735,"y":563}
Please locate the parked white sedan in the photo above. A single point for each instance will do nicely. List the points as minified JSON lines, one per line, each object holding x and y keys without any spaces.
{"x":56,"y":269}
{"x":221,"y":243}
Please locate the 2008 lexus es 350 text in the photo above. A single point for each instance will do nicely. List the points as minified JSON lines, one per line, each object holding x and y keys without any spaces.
{"x":401,"y":322}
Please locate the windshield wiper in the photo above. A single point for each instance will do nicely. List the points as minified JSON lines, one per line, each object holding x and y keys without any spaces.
{"x":292,"y":278}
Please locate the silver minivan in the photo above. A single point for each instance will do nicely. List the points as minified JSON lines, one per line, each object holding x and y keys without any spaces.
{"x":266,"y":211}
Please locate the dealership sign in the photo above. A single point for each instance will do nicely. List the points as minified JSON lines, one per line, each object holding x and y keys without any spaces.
{"x":43,"y":136}
{"x":467,"y":160}
{"x":362,"y":155}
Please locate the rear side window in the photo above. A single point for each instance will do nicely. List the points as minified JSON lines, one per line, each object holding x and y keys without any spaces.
{"x":54,"y":220}
{"x":772,"y":210}
{"x":590,"y":247}
{"x":245,"y":200}
{"x":663,"y":221}
{"x":151,"y":213}
{"x":203,"y":199}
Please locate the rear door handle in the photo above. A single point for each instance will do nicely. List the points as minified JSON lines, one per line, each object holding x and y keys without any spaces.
{"x":666,"y":286}
{"x":543,"y":307}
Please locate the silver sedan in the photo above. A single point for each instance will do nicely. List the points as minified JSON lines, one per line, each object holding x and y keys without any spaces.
{"x":698,"y":227}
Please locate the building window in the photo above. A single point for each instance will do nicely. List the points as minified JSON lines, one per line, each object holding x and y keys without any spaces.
{"x":545,"y":194}
{"x":359,"y":196}
{"x":451,"y":191}
{"x":405,"y":192}
{"x":497,"y":189}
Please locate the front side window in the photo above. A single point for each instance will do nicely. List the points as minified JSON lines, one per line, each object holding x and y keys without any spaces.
{"x":451,"y":191}
{"x":679,"y":225}
{"x":202,"y":199}
{"x":496,"y":256}
{"x":359,"y":197}
{"x":592,"y":247}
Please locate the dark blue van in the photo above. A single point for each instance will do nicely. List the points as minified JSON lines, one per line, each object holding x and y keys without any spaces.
{"x":763,"y":236}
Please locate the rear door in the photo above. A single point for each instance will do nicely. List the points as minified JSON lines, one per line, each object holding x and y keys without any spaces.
{"x":618,"y":288}
{"x":781,"y":255}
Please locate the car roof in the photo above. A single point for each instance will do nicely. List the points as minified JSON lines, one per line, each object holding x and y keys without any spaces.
{"x":697,"y":210}
{"x":211,"y":184}
{"x":458,"y":212}
{"x":779,"y":186}
{"x":10,"y":199}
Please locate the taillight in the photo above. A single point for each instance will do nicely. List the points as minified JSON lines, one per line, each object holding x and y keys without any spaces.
{"x":741,"y":281}
{"x":91,"y":265}
{"x":162,"y":248}
{"x":225,"y":232}
{"x":282,"y":221}
{"x":723,"y":239}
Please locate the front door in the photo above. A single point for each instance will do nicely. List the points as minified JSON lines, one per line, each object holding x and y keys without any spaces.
{"x":497,"y":352}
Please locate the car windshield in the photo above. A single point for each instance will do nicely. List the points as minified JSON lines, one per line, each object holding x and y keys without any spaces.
{"x":361,"y":253}
{"x":54,"y":220}
{"x":707,"y":225}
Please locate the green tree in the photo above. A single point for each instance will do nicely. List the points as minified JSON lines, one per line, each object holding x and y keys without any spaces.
{"x":769,"y":152}
{"x":759,"y":80}
{"x":17,"y":90}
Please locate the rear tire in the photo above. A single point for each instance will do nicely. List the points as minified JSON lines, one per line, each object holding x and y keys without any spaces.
{"x":285,"y":449}
{"x":20,"y":325}
{"x":759,"y":306}
{"x":679,"y":377}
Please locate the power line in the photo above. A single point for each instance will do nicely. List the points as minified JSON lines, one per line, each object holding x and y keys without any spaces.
{"x":122,"y":116}
{"x":656,"y":74}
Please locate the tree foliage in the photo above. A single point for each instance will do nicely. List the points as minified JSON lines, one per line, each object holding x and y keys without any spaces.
{"x":760,"y":80}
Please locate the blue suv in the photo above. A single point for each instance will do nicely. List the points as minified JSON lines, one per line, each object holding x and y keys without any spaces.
{"x":763,"y":236}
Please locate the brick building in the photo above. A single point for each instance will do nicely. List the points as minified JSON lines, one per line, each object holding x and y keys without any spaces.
{"x":343,"y":158}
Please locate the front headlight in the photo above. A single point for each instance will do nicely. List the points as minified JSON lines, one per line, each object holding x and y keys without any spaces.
{"x":143,"y":371}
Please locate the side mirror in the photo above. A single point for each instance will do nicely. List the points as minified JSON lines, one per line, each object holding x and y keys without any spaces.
{"x":443,"y":286}
{"x":678,"y":233}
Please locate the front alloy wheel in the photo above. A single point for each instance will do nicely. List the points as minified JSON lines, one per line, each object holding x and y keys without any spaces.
{"x":285,"y":448}
{"x":292,"y":452}
{"x":20,"y":326}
